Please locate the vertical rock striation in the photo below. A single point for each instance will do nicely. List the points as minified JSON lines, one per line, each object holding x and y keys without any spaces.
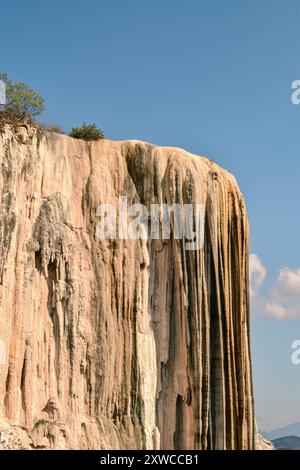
{"x":120,"y":343}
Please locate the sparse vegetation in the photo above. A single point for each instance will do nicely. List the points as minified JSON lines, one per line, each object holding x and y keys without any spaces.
{"x":87,"y":132}
{"x":51,"y":128}
{"x":22,"y":102}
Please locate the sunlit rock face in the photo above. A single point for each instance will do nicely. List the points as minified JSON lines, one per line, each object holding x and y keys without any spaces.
{"x":120,"y":343}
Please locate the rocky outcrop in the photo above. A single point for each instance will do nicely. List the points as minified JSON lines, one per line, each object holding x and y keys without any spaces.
{"x":262,"y":443}
{"x":120,"y":343}
{"x":13,"y":437}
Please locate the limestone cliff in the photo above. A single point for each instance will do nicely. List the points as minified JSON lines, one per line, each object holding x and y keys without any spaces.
{"x":120,"y":343}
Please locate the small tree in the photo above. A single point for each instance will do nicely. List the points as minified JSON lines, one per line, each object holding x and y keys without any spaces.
{"x":21,"y":101}
{"x":87,"y":132}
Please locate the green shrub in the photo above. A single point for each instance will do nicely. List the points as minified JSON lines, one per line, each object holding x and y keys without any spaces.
{"x":21,"y":101}
{"x":87,"y":132}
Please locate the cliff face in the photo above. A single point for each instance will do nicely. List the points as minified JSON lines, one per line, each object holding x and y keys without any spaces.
{"x":120,"y":343}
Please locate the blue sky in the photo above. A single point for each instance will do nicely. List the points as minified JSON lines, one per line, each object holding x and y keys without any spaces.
{"x":210,"y":76}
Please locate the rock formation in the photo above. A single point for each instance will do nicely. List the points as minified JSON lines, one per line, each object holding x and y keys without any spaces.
{"x":262,"y":443}
{"x":120,"y":344}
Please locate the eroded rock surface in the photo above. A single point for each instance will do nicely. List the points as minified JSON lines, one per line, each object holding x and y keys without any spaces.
{"x":263,"y":444}
{"x":120,"y":343}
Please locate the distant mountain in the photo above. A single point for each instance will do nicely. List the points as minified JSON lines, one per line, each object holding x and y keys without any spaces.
{"x":287,"y":443}
{"x":290,"y":430}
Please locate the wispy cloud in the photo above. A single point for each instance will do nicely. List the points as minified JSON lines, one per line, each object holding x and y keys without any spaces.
{"x":283,"y":299}
{"x":258,"y":273}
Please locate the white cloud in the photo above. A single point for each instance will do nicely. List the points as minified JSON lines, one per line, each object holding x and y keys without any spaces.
{"x":275,"y":309}
{"x":257,"y":274}
{"x":283,"y":299}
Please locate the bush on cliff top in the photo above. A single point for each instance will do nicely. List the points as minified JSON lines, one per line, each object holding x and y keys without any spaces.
{"x":50,"y":128}
{"x":21,"y":102}
{"x":87,"y":132}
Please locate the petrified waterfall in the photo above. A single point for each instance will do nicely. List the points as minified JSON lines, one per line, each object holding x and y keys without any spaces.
{"x":120,"y":343}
